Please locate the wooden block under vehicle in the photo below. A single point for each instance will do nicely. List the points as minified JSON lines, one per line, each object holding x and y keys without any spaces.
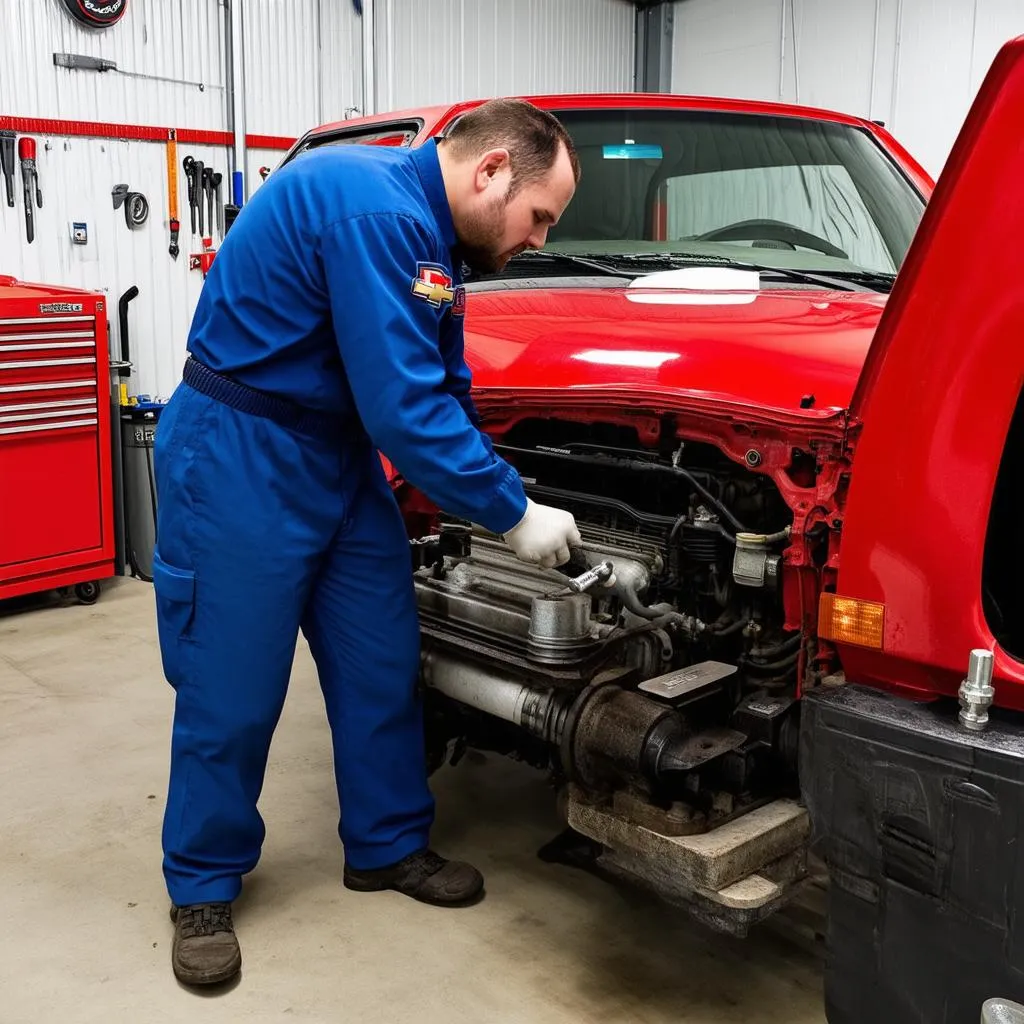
{"x":725,"y":861}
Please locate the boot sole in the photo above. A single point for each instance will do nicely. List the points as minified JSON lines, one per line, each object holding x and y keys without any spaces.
{"x":208,"y":977}
{"x":359,"y":885}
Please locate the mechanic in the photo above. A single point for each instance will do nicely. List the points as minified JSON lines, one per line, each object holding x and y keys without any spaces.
{"x":330,"y":330}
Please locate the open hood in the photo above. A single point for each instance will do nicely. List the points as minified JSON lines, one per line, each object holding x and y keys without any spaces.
{"x":799,"y":352}
{"x":931,"y":415}
{"x":963,"y":266}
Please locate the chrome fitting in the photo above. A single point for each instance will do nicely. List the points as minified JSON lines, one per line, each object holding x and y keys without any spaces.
{"x":598,"y":574}
{"x":976,"y":691}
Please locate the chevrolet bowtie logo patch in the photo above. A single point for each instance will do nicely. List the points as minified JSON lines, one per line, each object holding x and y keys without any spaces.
{"x":434,"y":284}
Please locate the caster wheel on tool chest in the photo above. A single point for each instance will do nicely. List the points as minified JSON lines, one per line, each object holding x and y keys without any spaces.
{"x":87,"y":593}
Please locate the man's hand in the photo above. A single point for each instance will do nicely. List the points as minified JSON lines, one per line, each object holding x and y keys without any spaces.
{"x":544,"y":535}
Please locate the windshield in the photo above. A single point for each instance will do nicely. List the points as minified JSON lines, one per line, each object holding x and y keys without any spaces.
{"x":785,"y":192}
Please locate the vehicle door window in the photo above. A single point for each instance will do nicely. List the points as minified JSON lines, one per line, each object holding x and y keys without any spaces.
{"x":392,"y":133}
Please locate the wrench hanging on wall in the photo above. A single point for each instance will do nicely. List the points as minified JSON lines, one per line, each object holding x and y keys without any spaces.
{"x":208,"y":192}
{"x":200,"y":185}
{"x":190,"y":174}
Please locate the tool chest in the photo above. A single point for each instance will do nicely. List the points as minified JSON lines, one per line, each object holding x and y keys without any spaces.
{"x":56,"y":498}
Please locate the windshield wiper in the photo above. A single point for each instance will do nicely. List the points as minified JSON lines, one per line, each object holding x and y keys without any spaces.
{"x":628,"y":265}
{"x":554,"y":256}
{"x":821,"y":280}
{"x":878,"y":280}
{"x":839,"y":280}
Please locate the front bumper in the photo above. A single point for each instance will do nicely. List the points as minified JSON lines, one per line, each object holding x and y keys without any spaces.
{"x":921,"y":825}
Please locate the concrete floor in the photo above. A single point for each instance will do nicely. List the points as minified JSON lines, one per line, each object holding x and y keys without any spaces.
{"x":84,"y":726}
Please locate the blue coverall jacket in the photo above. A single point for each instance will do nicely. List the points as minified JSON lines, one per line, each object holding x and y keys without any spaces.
{"x":335,"y":298}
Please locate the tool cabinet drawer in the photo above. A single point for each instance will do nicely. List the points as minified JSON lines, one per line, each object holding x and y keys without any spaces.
{"x":55,"y":483}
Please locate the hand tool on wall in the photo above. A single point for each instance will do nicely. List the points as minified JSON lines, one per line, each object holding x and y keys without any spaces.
{"x":136,"y":206}
{"x":208,"y":192}
{"x":7,"y":164}
{"x":200,"y":185}
{"x":190,"y":173}
{"x":84,"y":62}
{"x":218,"y":178}
{"x":172,"y":191}
{"x":30,"y":178}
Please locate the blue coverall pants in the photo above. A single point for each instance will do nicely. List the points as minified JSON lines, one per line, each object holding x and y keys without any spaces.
{"x":263,"y":531}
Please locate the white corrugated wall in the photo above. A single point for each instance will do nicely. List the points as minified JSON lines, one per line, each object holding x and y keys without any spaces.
{"x":304,"y":64}
{"x":443,"y":51}
{"x":303,"y":67}
{"x":300,"y":71}
{"x":915,"y":64}
{"x":179,"y":39}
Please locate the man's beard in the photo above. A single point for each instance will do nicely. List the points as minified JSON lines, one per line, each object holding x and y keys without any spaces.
{"x":480,"y":238}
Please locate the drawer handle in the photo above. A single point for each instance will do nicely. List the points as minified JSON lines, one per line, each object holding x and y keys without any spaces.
{"x":63,"y":403}
{"x":48,"y":336}
{"x":50,"y":320}
{"x":45,"y":346}
{"x":28,"y":364}
{"x":22,"y":417}
{"x":57,"y":385}
{"x":40,"y":428}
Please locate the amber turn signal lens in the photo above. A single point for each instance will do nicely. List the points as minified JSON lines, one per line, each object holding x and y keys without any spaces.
{"x":847,"y":620}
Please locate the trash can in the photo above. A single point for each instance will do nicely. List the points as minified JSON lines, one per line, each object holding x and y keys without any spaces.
{"x":138,"y":432}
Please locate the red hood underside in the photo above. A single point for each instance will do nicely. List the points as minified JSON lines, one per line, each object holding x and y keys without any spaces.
{"x":762,"y":350}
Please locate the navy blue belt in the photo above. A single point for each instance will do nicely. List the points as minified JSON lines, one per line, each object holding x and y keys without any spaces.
{"x":240,"y":396}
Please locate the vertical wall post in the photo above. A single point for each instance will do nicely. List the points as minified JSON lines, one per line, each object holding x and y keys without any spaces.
{"x":653,"y":58}
{"x":369,"y":61}
{"x":235,"y":61}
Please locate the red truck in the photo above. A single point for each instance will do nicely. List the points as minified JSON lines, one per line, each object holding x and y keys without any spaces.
{"x":778,"y":381}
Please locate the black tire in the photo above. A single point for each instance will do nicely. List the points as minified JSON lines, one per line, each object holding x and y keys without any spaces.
{"x":87,"y":593}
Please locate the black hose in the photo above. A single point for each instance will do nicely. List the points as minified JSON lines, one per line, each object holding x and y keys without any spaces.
{"x":634,"y":464}
{"x":734,"y":627}
{"x":633,"y":603}
{"x":600,"y":500}
{"x":785,"y":647}
{"x":769,"y":667}
{"x":122,"y":320}
{"x":704,"y":492}
{"x":706,"y":527}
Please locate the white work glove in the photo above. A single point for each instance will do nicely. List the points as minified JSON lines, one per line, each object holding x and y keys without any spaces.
{"x":544,"y":535}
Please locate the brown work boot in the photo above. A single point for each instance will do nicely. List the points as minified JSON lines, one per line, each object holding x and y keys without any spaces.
{"x":205,"y":950}
{"x":424,"y":876}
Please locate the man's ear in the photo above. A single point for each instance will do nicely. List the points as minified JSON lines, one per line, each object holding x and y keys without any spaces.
{"x":494,"y":165}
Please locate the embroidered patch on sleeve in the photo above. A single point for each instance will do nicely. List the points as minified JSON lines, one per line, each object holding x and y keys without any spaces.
{"x":434,"y":284}
{"x":459,"y":302}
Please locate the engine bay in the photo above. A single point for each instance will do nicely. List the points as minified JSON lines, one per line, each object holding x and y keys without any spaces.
{"x":666,"y":694}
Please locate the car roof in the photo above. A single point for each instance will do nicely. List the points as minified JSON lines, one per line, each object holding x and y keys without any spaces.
{"x":437,"y":115}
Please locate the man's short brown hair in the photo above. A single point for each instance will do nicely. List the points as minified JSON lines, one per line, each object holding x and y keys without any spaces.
{"x":532,"y":137}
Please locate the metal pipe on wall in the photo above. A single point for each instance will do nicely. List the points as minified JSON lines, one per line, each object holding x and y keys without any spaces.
{"x":234,"y":53}
{"x":369,"y":60}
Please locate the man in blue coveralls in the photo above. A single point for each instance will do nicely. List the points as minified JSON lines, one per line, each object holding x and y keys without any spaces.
{"x":328,"y":330}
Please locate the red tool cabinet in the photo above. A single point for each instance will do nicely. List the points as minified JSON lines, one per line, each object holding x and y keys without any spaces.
{"x":56,"y":498}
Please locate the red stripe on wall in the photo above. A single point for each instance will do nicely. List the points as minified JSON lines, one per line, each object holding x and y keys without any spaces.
{"x":134,"y":132}
{"x":269,"y":142}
